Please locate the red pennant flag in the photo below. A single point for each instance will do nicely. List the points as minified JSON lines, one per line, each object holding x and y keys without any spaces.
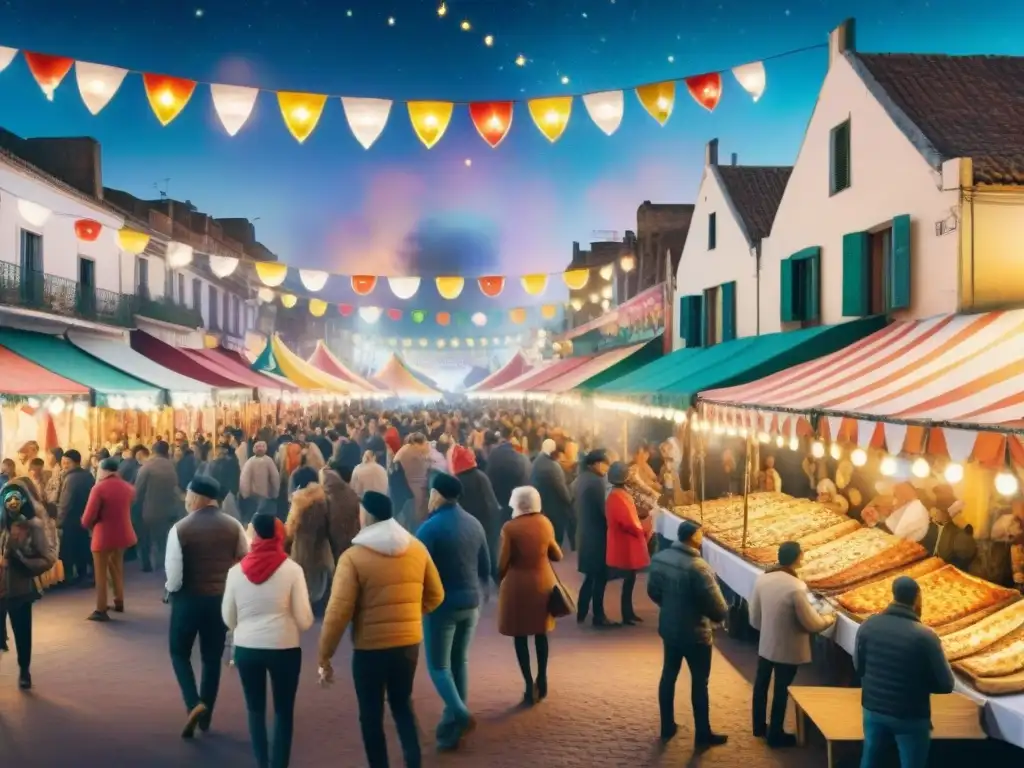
{"x":706,"y":89}
{"x":48,"y":70}
{"x":346,"y":310}
{"x":88,"y":230}
{"x":491,"y":286}
{"x":492,"y":120}
{"x":363,"y":284}
{"x":395,"y":314}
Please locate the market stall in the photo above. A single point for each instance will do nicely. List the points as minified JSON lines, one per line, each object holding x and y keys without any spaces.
{"x":312,"y":381}
{"x":395,"y":376}
{"x":513,"y":369}
{"x":329,"y":364}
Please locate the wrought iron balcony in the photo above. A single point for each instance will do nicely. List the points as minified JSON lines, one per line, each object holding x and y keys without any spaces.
{"x":41,"y":292}
{"x":167,"y":311}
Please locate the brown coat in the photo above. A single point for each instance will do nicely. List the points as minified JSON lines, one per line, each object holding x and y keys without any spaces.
{"x":342,"y":512}
{"x":527,"y":549}
{"x":307,"y":538}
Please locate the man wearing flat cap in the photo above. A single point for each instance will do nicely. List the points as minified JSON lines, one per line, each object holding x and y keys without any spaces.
{"x":201,"y":549}
{"x":591,"y":490}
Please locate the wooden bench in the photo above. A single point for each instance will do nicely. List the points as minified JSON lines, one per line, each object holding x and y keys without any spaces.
{"x":836,"y":712}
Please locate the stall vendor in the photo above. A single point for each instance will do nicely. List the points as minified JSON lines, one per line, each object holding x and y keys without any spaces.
{"x":909,"y":518}
{"x":770,"y":481}
{"x":945,"y":537}
{"x":829,"y":495}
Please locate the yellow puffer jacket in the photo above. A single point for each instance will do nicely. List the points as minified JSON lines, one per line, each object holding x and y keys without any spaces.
{"x":384,"y":584}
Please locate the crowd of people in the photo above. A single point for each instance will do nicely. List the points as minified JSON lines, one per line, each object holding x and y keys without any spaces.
{"x":398,"y":526}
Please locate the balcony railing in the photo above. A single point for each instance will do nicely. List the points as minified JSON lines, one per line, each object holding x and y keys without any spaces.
{"x":167,"y":311}
{"x":60,"y":296}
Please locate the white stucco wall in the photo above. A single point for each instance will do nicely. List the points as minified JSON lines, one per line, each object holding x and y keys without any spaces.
{"x":889,"y":177}
{"x":730,"y":260}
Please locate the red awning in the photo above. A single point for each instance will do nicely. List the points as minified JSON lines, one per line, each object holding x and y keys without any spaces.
{"x":24,"y":378}
{"x":532,"y":380}
{"x":197,"y":368}
{"x":513,"y":369}
{"x":238,"y":370}
{"x":323,"y":360}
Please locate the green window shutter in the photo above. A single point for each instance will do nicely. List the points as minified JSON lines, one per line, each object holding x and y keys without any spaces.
{"x":701,"y":320}
{"x":691,"y":328}
{"x":788,"y":306}
{"x":812,"y":286}
{"x":684,"y":316}
{"x":899,"y":264}
{"x":728,"y":311}
{"x":856,"y":274}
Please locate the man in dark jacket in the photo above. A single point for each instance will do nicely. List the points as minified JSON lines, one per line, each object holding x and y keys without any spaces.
{"x":548,"y":478}
{"x":128,"y":469}
{"x":159,"y":502}
{"x":684,"y":587}
{"x":76,"y":486}
{"x":591,"y":490}
{"x":458,"y":546}
{"x":901,"y":664}
{"x":507,"y":469}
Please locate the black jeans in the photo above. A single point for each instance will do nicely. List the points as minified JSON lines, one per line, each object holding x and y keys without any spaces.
{"x":389,"y":674}
{"x":592,"y":592}
{"x":626,"y":602}
{"x":784,"y":674}
{"x":192,"y":616}
{"x":283,"y":666}
{"x":75,"y":553}
{"x":698,"y":659}
{"x":153,"y":541}
{"x":20,"y":614}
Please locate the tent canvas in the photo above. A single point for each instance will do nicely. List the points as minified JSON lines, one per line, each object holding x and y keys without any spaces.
{"x":21,"y":377}
{"x":305,"y":375}
{"x":125,"y":359}
{"x":396,"y":377}
{"x":175,"y":359}
{"x":513,"y":369}
{"x":323,"y":359}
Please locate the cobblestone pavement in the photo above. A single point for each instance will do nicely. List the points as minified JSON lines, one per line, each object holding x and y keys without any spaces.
{"x":105,"y":695}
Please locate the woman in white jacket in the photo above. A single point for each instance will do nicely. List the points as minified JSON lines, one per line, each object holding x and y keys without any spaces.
{"x":266,"y":605}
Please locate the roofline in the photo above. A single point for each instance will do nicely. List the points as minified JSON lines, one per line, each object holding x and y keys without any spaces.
{"x":19,"y":163}
{"x":732,"y":205}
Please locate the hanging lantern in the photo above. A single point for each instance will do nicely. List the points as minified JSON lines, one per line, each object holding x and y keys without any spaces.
{"x":317,"y":307}
{"x":6,"y":56}
{"x":404,"y":287}
{"x":271,"y":273}
{"x":49,"y":71}
{"x":606,"y":109}
{"x":233,"y":105}
{"x":517,"y":315}
{"x":265,"y":295}
{"x":430,"y":120}
{"x":167,"y":95}
{"x":549,"y":311}
{"x":551,"y":115}
{"x":369,"y":314}
{"x":301,"y":112}
{"x":366,"y":118}
{"x":35,"y":214}
{"x":97,"y":84}
{"x":534,"y":285}
{"x":313,"y":279}
{"x":491,"y":286}
{"x":289,"y":300}
{"x":576,"y":279}
{"x":627,"y":263}
{"x":418,"y":316}
{"x":132,"y":241}
{"x":346,"y":310}
{"x":479,"y":319}
{"x":607,"y":271}
{"x":178,"y":255}
{"x":395,"y":314}
{"x":88,"y":230}
{"x":449,"y":287}
{"x":492,"y":120}
{"x":577,"y":304}
{"x":705,"y":89}
{"x":223,"y":266}
{"x":752,"y":78}
{"x":363,"y":285}
{"x":444,"y":318}
{"x":658,"y":99}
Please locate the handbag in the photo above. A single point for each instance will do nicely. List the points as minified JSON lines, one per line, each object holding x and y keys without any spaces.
{"x":561,"y":602}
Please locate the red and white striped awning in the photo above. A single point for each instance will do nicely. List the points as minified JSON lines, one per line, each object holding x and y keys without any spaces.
{"x":956,"y":368}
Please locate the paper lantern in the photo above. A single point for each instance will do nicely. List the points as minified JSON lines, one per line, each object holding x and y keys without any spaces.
{"x":271,"y":273}
{"x":346,"y":310}
{"x":606,"y":109}
{"x":395,"y":314}
{"x":289,"y":300}
{"x":265,"y":295}
{"x":369,"y":314}
{"x":449,"y":287}
{"x":479,"y":319}
{"x":301,"y":112}
{"x":317,"y":307}
{"x":492,"y":120}
{"x":178,"y":255}
{"x":517,"y":315}
{"x":576,"y":279}
{"x":167,"y":95}
{"x":233,"y":104}
{"x":223,"y":266}
{"x":577,"y":304}
{"x":705,"y":89}
{"x":658,"y":99}
{"x":491,"y":286}
{"x":363,"y":285}
{"x":35,"y":214}
{"x":607,"y":271}
{"x":443,"y":318}
{"x":549,"y":311}
{"x":404,"y":287}
{"x":551,"y":116}
{"x":752,"y":78}
{"x":97,"y":84}
{"x":88,"y":230}
{"x":313,"y":279}
{"x":534,"y":285}
{"x":6,"y":56}
{"x":132,"y":241}
{"x":430,"y":120}
{"x":366,"y":118}
{"x":418,"y":315}
{"x":49,"y":71}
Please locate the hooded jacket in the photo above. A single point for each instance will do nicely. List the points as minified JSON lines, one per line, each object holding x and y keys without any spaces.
{"x":384,"y":584}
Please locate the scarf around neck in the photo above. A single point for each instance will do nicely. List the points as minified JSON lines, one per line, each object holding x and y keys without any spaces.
{"x":265,"y":556}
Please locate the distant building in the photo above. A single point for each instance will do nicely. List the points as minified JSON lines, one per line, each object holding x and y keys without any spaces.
{"x":606,"y":286}
{"x":661,"y":231}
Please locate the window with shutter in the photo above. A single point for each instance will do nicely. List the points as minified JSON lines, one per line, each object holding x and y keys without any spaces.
{"x":839,"y":158}
{"x":899,"y":264}
{"x":691,"y":322}
{"x":712,"y":316}
{"x":712,"y":231}
{"x":787,"y":309}
{"x":856,"y":274}
{"x":728,"y":293}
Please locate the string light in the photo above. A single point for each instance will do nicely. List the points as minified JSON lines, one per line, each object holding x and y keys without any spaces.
{"x":921,"y":468}
{"x":794,"y":443}
{"x":442,"y":10}
{"x":489,"y":40}
{"x":953,"y":473}
{"x":520,"y":60}
{"x":465,"y":25}
{"x":818,"y":449}
{"x":859,"y":457}
{"x":835,"y":451}
{"x":888,"y":466}
{"x":1006,"y":484}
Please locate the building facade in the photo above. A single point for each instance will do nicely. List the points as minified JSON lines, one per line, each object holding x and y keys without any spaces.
{"x":661,"y":232}
{"x":607,"y":285}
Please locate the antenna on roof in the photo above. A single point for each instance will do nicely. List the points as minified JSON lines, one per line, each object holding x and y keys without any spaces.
{"x":162,"y":186}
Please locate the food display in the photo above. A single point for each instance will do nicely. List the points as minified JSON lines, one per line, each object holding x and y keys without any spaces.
{"x":896,"y":554}
{"x":806,"y":518}
{"x":983,"y":634}
{"x":1004,"y":657}
{"x":768,"y":555}
{"x":723,"y":514}
{"x":875,"y":597}
{"x":844,"y":552}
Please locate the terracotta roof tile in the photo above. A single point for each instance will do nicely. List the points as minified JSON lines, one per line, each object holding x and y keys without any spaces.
{"x":756,"y":191}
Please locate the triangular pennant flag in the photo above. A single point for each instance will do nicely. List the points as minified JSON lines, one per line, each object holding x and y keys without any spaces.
{"x":395,"y":314}
{"x":576,"y":279}
{"x":49,"y":71}
{"x":534,"y":285}
{"x":752,"y":78}
{"x":430,"y":120}
{"x":658,"y":99}
{"x":301,"y":112}
{"x":346,"y":310}
{"x":6,"y":56}
{"x":492,"y":120}
{"x":233,"y":104}
{"x":97,"y":83}
{"x":317,"y":307}
{"x":167,"y":95}
{"x":313,"y":279}
{"x":551,"y":115}
{"x":418,"y":315}
{"x":366,"y":118}
{"x":706,"y":89}
{"x":404,"y":287}
{"x":606,"y":109}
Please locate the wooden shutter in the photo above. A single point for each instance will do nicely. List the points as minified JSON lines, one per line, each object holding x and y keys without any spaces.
{"x":728,"y":291}
{"x":856,"y":274}
{"x":787,"y":310}
{"x":840,"y":158}
{"x":899,"y":264}
{"x":684,"y":319}
{"x":812,"y":285}
{"x":691,"y":324}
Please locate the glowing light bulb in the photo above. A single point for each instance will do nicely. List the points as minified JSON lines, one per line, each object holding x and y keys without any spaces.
{"x":520,"y":60}
{"x":921,"y":468}
{"x":605,"y":305}
{"x":679,"y":417}
{"x":1006,"y":484}
{"x":594,"y":298}
{"x":953,"y":473}
{"x":465,"y":25}
{"x":888,"y":466}
{"x":577,"y":304}
{"x":859,"y":457}
{"x":565,"y":79}
{"x":835,"y":451}
{"x":391,"y":21}
{"x":489,"y":40}
{"x":794,"y":443}
{"x":606,"y":292}
{"x":763,"y":437}
{"x":780,"y":441}
{"x":628,"y":263}
{"x":818,"y":449}
{"x":442,"y":10}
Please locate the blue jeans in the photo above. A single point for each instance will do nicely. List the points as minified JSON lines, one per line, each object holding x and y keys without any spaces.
{"x":913,"y":737}
{"x":446,"y":638}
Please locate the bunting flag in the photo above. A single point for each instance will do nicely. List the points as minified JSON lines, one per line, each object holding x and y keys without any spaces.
{"x":443,"y":318}
{"x":271,"y":273}
{"x":346,"y":310}
{"x":233,"y":105}
{"x":6,"y":56}
{"x":317,"y":307}
{"x":49,"y":71}
{"x":88,"y":230}
{"x":551,"y":115}
{"x":430,"y":120}
{"x":491,"y":286}
{"x":313,"y":279}
{"x":404,"y":287}
{"x":167,"y":95}
{"x":366,"y":118}
{"x":449,"y":287}
{"x":369,"y":314}
{"x":706,"y":89}
{"x":418,"y":315}
{"x":395,"y":314}
{"x":606,"y":109}
{"x":658,"y":99}
{"x":752,"y":78}
{"x":301,"y":112}
{"x":289,"y":300}
{"x":178,"y":255}
{"x":517,"y":315}
{"x":479,"y":319}
{"x":576,"y":279}
{"x":132,"y":241}
{"x":534,"y":285}
{"x":549,"y":311}
{"x":265,"y":295}
{"x":363,"y":285}
{"x":492,"y":119}
{"x":97,"y":84}
{"x":223,"y":266}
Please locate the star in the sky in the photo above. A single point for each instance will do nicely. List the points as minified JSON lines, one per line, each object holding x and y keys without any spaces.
{"x":199,"y":12}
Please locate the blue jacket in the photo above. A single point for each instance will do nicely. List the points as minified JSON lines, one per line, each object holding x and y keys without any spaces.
{"x":458,"y":546}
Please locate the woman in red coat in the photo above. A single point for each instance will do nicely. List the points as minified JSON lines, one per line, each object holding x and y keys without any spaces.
{"x":108,"y":515}
{"x":627,"y":541}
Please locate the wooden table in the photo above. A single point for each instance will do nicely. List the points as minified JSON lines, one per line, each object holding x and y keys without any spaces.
{"x":837,"y":714}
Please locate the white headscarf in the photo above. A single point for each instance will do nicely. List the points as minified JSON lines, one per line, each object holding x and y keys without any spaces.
{"x":525,"y":500}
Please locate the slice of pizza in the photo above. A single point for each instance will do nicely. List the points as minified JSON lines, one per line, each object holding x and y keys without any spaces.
{"x":1004,"y":657}
{"x":899,"y":554}
{"x":985,"y":633}
{"x":875,"y":596}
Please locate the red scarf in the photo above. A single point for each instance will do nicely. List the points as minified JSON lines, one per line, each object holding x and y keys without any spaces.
{"x":265,"y":556}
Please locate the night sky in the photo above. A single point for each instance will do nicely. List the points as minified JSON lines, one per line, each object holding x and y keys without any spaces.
{"x":399,"y":208}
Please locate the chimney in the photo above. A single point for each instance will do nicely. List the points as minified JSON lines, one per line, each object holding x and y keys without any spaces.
{"x":711,"y":153}
{"x":734,"y":159}
{"x":842,"y":39}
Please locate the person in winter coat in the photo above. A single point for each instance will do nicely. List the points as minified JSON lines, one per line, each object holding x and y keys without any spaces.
{"x":507,"y":470}
{"x":548,"y":478}
{"x":781,"y":612}
{"x":74,"y":494}
{"x":128,"y":469}
{"x":159,"y":499}
{"x":25,"y":555}
{"x":259,"y":483}
{"x":306,"y":532}
{"x":266,"y":606}
{"x":108,"y":516}
{"x":384,"y":585}
{"x":591,"y":489}
{"x":528,"y":548}
{"x":414,"y":459}
{"x":342,"y":508}
{"x":478,"y":499}
{"x":369,"y":476}
{"x":626,"y":548}
{"x":225,"y":470}
{"x":684,"y":587}
{"x":186,"y":465}
{"x":901,"y":664}
{"x":349,"y":454}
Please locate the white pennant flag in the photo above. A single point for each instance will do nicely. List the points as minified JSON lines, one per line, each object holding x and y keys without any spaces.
{"x":404,"y":287}
{"x":605,"y":109}
{"x":6,"y":56}
{"x":178,"y":255}
{"x":234,"y":105}
{"x":313,"y":279}
{"x":97,"y":83}
{"x":752,"y":78}
{"x":223,"y":266}
{"x":366,"y":118}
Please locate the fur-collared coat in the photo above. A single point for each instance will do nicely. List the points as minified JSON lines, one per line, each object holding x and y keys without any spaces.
{"x":307,"y":538}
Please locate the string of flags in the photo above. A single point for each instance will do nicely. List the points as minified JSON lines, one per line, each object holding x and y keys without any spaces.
{"x":454,"y":343}
{"x":367,"y":117}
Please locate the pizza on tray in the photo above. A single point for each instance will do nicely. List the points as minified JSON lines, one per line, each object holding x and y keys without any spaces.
{"x":768,"y":555}
{"x":1004,"y":657}
{"x":841,"y":553}
{"x":775,"y":530}
{"x":985,"y":633}
{"x":896,"y":554}
{"x":875,"y":596}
